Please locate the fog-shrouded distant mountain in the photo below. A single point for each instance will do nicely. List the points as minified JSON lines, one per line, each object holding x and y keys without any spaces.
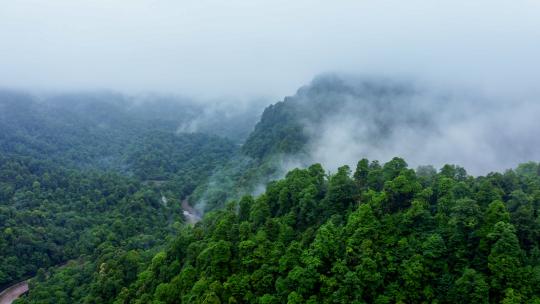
{"x":339,"y":119}
{"x":96,"y":127}
{"x":93,"y":188}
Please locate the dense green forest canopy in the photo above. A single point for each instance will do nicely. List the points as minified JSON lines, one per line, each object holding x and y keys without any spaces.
{"x":92,"y":187}
{"x":89,"y":175}
{"x":378,"y":234}
{"x":49,"y":215}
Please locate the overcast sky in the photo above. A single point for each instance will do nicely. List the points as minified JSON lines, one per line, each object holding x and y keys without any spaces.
{"x":264,"y":48}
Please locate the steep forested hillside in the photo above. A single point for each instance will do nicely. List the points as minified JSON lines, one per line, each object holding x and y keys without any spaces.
{"x":381,"y":106}
{"x":279,"y":131}
{"x":380,"y":234}
{"x":290,"y":131}
{"x":94,"y":176}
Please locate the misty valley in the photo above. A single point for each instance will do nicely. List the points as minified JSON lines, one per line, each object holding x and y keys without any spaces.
{"x":352,"y":190}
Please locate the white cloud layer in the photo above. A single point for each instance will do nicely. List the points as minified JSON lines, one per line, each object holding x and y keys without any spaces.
{"x":243,"y":48}
{"x":423,"y":125}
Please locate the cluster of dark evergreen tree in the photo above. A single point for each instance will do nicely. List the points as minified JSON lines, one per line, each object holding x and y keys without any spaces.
{"x":383,"y":234}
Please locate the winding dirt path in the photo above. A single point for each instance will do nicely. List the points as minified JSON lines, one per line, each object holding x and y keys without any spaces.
{"x":12,"y":293}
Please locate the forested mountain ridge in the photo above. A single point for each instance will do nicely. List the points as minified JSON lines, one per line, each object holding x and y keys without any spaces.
{"x":288,"y":126}
{"x":263,"y":152}
{"x":380,"y":234}
{"x":290,"y":131}
{"x":102,"y":193}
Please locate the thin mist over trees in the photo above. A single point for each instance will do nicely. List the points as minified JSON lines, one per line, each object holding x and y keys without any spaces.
{"x":339,"y":118}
